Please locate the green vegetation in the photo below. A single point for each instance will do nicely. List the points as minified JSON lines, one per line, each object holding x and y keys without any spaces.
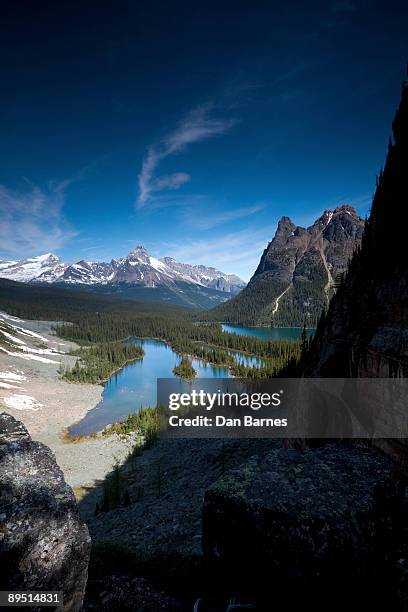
{"x":207,"y":342}
{"x":185,"y":369}
{"x":97,"y":363}
{"x":99,"y":319}
{"x":115,"y":492}
{"x":270,"y":370}
{"x":42,"y":302}
{"x":255,"y":305}
{"x":112,"y":491}
{"x":144,"y":423}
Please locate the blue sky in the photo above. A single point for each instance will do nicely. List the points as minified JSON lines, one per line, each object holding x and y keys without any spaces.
{"x":190,"y":128}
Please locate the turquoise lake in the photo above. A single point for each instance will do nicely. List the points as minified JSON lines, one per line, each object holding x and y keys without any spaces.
{"x":267,"y":333}
{"x":135,"y":385}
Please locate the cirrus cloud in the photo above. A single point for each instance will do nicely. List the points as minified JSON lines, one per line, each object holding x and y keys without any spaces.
{"x":32,"y":220}
{"x":196,"y":126}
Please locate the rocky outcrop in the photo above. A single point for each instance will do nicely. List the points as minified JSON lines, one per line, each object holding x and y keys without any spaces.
{"x":303,"y":520}
{"x":44,"y":544}
{"x":127,"y":594}
{"x":298,"y":271}
{"x":365,"y":330}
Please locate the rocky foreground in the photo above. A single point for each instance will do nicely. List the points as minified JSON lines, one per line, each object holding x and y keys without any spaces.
{"x":44,"y":544}
{"x":208,"y":522}
{"x":213,"y":519}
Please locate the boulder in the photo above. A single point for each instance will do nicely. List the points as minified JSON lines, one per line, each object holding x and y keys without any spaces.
{"x":44,"y":544}
{"x":127,"y":594}
{"x":296,"y":521}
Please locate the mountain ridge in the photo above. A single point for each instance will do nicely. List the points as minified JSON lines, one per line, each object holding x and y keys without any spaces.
{"x":298,"y":271}
{"x":137,"y":276}
{"x":365,"y":331}
{"x":137,"y":268}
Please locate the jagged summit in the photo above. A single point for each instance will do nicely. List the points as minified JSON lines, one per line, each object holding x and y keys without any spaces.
{"x":48,"y":257}
{"x":139,"y":252}
{"x":298,"y":271}
{"x":138,"y":268}
{"x":365,"y":330}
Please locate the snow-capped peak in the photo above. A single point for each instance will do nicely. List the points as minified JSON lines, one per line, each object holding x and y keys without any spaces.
{"x":49,"y":257}
{"x":139,"y":254}
{"x":137,"y":268}
{"x":29,"y":269}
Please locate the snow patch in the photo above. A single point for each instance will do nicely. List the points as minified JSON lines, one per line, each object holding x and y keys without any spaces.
{"x":12,"y":338}
{"x":21,"y":330}
{"x":22,"y":402}
{"x":12,"y":376}
{"x":4,"y":385}
{"x":27,"y":357}
{"x":27,"y":349}
{"x":160,"y":267}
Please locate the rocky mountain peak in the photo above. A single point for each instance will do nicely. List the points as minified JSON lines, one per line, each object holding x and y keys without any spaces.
{"x":285,"y":226}
{"x":341,"y":211}
{"x":137,"y":269}
{"x":139,"y":253}
{"x":364,"y":333}
{"x":49,"y":258}
{"x":168,"y":260}
{"x":343,"y":224}
{"x":298,"y":271}
{"x":346,"y":208}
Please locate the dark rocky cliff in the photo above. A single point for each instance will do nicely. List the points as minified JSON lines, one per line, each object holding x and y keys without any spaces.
{"x":365,"y":332}
{"x":44,"y":544}
{"x":316,"y":528}
{"x":298,"y":271}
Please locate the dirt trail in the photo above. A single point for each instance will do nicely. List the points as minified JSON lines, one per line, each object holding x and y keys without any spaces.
{"x":330,"y":281}
{"x":275,"y":310}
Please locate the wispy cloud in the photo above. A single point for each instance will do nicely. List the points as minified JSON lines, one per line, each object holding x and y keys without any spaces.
{"x":207,"y":220}
{"x":198,"y":125}
{"x":236,"y":252}
{"x":32,"y":221}
{"x":97,"y":247}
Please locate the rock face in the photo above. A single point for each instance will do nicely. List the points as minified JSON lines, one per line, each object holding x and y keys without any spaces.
{"x":303,"y":519}
{"x":365,"y":332}
{"x":204,"y":275}
{"x":44,"y":544}
{"x":298,"y":271}
{"x":127,"y":594}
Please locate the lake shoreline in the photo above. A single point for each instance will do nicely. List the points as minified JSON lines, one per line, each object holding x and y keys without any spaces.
{"x":132,"y":388}
{"x":59,"y":405}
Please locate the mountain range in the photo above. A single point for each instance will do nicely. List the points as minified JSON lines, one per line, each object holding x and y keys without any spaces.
{"x":298,"y":272}
{"x":137,"y":275}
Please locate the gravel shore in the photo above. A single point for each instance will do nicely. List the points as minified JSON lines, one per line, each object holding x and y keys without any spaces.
{"x":31,"y":391}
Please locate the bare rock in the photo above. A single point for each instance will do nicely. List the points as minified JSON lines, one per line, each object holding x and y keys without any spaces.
{"x":300,"y":519}
{"x":44,"y":544}
{"x":126,"y":594}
